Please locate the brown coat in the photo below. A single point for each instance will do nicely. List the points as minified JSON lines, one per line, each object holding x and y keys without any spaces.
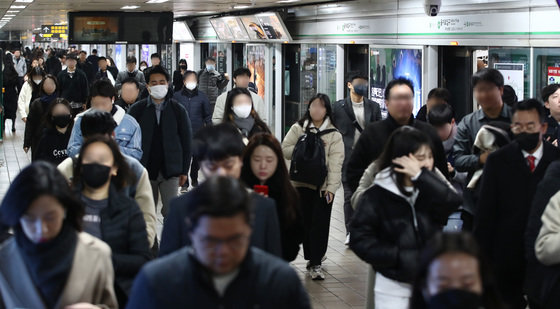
{"x":90,"y":279}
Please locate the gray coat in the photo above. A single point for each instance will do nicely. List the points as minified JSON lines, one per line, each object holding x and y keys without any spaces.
{"x":211,"y":83}
{"x":341,"y":109}
{"x":139,"y":77}
{"x":90,"y":279}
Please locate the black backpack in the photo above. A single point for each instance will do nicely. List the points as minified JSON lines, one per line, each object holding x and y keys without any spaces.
{"x":308,"y":159}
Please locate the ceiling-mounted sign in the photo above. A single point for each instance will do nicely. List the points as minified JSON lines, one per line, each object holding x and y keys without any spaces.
{"x":54,"y":31}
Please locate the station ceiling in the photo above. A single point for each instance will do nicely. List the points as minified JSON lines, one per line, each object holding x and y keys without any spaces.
{"x":31,"y":14}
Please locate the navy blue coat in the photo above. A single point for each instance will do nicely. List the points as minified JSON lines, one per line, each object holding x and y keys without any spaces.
{"x":197,"y":105}
{"x":266,"y":229}
{"x":180,"y":281}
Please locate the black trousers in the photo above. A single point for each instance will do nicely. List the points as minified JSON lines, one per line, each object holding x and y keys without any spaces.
{"x":348,"y":210}
{"x":194,"y":171}
{"x":316,"y":219}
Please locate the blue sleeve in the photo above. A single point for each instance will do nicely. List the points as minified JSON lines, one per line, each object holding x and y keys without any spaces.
{"x":142,"y":294}
{"x":133,"y":147}
{"x":76,"y":139}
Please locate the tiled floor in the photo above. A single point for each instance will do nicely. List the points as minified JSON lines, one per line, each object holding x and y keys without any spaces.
{"x":345,"y":283}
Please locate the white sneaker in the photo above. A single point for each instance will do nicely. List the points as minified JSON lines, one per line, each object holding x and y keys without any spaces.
{"x":347,"y":241}
{"x":317,"y":273}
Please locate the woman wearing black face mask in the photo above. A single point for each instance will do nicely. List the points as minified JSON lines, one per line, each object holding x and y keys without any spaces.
{"x":454,"y":275}
{"x":178,"y":75}
{"x":100,"y":174}
{"x":53,"y":143}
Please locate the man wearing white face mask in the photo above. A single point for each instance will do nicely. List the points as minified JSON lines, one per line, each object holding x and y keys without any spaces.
{"x":241,"y":78}
{"x":166,"y":137}
{"x":212,"y":82}
{"x":198,"y":108}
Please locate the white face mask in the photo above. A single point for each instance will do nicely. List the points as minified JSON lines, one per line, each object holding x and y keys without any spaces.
{"x":143,"y":68}
{"x":158,"y":92}
{"x":190,"y":85}
{"x":242,"y":111}
{"x":37,"y":81}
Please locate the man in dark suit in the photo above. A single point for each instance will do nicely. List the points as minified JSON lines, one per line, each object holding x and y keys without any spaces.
{"x":509,"y":182}
{"x":399,"y":98}
{"x":219,"y":150}
{"x":351,"y":116}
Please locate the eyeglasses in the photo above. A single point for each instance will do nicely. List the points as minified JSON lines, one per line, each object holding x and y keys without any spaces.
{"x":234,"y":243}
{"x":517,"y":128}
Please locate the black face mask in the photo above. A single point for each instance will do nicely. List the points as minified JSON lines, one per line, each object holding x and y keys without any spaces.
{"x":361,"y":89}
{"x":183,"y":66}
{"x":95,"y":175}
{"x":455,"y":299}
{"x":62,"y":121}
{"x":528,"y":141}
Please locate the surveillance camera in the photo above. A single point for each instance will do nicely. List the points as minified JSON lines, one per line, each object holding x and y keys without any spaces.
{"x":432,"y":7}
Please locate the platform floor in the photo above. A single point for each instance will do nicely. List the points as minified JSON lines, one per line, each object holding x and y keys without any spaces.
{"x":345,"y":284}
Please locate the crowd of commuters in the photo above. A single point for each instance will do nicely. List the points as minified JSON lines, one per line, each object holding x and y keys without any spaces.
{"x":448,"y":212}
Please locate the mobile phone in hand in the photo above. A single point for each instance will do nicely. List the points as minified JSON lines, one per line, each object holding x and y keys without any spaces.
{"x":261,"y":189}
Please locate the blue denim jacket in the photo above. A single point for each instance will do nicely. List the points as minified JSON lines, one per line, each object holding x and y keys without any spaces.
{"x":128,"y":134}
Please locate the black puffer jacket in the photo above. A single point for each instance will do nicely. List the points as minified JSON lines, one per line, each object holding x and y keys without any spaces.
{"x":388,"y":232}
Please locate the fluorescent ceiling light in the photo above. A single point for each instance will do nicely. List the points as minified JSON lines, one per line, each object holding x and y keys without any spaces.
{"x":10,"y":15}
{"x":11,"y":12}
{"x":129,"y":7}
{"x":156,"y":1}
{"x":238,"y":7}
{"x":17,"y":7}
{"x":24,"y":1}
{"x":207,"y":12}
{"x":287,"y":1}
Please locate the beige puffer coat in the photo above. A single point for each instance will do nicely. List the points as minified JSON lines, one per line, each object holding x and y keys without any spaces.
{"x":334,"y":153}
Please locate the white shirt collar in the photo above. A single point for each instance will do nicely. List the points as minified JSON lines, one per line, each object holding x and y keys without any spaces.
{"x":538,"y":154}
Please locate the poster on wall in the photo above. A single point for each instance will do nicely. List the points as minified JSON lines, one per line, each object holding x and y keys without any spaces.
{"x":513,"y":75}
{"x":255,"y":63}
{"x":553,"y":75}
{"x":387,"y":64}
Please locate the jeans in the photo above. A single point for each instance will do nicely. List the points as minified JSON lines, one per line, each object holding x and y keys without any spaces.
{"x":168,"y":188}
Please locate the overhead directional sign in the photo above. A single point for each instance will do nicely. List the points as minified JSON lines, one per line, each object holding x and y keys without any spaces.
{"x":54,"y":31}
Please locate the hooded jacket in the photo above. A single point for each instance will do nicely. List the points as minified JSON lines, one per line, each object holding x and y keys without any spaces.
{"x":389,"y":229}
